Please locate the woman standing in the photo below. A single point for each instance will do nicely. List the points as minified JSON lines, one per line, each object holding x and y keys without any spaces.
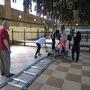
{"x":76,"y":46}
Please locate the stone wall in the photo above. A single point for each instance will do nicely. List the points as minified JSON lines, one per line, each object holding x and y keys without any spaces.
{"x":13,"y":16}
{"x":26,"y":22}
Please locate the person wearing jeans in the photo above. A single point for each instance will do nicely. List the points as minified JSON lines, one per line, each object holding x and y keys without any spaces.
{"x":40,"y":42}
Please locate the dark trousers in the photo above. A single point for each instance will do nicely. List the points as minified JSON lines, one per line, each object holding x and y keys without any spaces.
{"x":53,"y":44}
{"x":77,"y":51}
{"x":5,"y":62}
{"x":38,"y":48}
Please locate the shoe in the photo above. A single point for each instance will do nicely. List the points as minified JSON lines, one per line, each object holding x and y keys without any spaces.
{"x":39,"y":54}
{"x":2,"y":74}
{"x":10,"y":75}
{"x":35,"y":56}
{"x":76,"y":60}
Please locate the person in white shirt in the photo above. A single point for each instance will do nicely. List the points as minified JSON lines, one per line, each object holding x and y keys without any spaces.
{"x":41,"y":41}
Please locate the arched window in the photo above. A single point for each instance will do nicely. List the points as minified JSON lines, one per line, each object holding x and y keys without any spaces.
{"x":14,"y":1}
{"x":1,"y":2}
{"x":17,"y":4}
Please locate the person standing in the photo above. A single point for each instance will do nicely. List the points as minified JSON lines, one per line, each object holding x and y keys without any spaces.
{"x":55,"y":35}
{"x":40,"y":42}
{"x":76,"y":46}
{"x":5,"y":50}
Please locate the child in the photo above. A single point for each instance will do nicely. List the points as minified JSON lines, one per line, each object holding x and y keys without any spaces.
{"x":40,"y":42}
{"x":76,"y":46}
{"x":64,"y":37}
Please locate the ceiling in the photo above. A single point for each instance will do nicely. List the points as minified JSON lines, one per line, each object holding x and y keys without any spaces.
{"x":62,"y":9}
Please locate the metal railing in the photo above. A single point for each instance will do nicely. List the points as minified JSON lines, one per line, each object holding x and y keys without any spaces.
{"x":24,"y":36}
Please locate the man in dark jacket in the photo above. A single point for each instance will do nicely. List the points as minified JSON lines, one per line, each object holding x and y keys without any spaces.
{"x":76,"y":46}
{"x":57,"y":35}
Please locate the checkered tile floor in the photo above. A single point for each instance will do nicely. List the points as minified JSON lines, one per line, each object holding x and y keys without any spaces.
{"x":65,"y":75}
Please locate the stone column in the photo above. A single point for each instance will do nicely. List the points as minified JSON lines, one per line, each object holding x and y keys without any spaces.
{"x":76,"y":17}
{"x":7,"y":3}
{"x":26,"y":6}
{"x":26,"y":9}
{"x":7,"y":9}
